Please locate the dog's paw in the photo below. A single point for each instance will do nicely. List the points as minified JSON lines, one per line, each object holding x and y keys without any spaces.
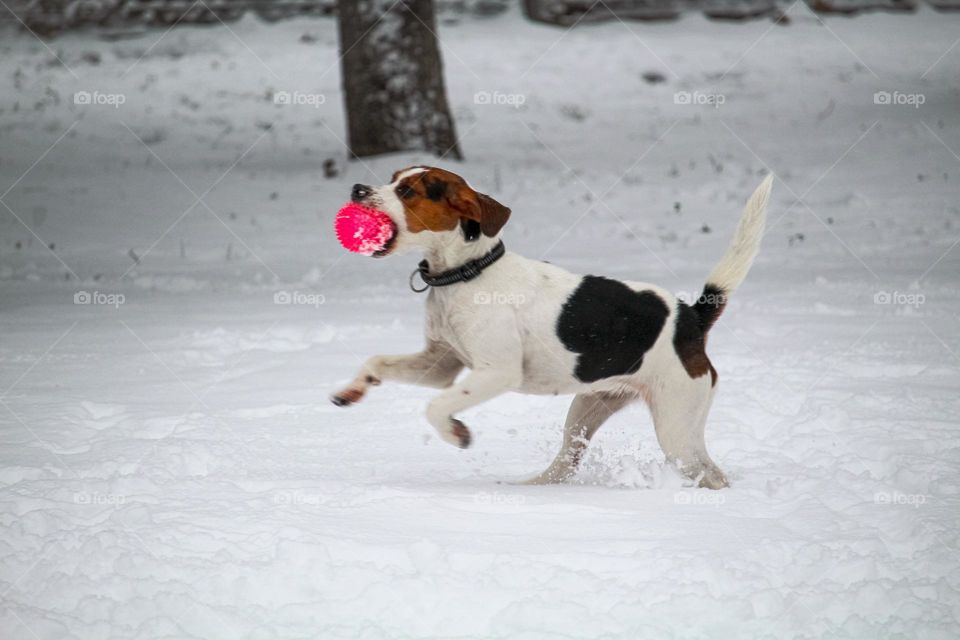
{"x":347,"y":397}
{"x":713,"y":478}
{"x":458,"y":435}
{"x":706,"y":475}
{"x":550,"y":476}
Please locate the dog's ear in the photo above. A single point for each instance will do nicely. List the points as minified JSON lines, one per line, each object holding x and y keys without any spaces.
{"x":493,"y":215}
{"x":480,"y":208}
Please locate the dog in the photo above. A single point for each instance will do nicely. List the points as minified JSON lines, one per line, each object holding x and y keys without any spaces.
{"x":531,"y":327}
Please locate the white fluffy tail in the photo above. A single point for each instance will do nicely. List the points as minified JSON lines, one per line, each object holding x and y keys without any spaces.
{"x":736,"y":262}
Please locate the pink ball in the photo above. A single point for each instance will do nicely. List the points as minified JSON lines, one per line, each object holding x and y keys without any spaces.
{"x":363,"y":230}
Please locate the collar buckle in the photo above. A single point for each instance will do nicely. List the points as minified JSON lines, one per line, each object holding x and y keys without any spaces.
{"x":470,"y":271}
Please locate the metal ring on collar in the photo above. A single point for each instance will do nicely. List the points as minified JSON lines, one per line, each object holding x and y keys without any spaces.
{"x":414,"y":275}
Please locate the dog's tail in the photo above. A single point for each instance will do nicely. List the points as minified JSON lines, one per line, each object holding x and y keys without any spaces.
{"x":735,"y":264}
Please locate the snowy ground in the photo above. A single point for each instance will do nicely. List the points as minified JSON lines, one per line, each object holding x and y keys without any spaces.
{"x":171,"y":466}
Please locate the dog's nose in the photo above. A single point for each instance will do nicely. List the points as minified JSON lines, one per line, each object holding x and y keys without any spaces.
{"x":359,"y":192}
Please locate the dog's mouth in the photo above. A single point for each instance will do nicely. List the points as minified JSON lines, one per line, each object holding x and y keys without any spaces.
{"x":388,"y":245}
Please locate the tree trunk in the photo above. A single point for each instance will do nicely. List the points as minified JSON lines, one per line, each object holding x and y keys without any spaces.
{"x":393,"y":79}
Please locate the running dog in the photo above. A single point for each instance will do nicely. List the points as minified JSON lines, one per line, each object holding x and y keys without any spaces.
{"x":531,"y":327}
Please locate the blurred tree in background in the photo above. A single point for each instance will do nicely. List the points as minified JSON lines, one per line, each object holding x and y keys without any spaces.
{"x":392,"y":78}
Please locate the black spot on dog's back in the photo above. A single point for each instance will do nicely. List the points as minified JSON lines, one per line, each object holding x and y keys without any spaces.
{"x":610,"y":326}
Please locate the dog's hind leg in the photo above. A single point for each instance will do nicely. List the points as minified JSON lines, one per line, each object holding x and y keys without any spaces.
{"x":679,"y":406}
{"x":585,"y":416}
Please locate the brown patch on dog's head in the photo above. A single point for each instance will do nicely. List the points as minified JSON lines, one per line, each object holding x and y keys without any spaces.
{"x":439,"y":200}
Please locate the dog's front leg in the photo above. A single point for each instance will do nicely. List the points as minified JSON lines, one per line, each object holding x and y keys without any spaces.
{"x":436,"y":366}
{"x":479,"y":386}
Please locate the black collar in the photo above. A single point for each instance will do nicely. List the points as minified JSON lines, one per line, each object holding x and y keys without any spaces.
{"x":463,"y":273}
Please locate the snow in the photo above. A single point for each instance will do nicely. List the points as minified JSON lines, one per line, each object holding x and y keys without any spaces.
{"x":171,"y":467}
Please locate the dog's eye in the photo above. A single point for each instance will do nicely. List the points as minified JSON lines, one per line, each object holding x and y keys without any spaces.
{"x":404,"y":191}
